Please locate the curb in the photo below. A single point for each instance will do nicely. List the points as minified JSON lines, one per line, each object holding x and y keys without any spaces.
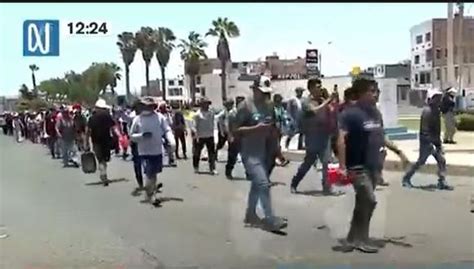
{"x":395,"y":165}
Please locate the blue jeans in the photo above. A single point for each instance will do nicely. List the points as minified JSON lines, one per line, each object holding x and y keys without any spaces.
{"x":257,"y":172}
{"x":426,"y":149}
{"x":312,"y":155}
{"x":68,"y":151}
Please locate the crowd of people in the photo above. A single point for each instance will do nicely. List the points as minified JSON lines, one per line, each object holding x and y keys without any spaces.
{"x":350,"y":133}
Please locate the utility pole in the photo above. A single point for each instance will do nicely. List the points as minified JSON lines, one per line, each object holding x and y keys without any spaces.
{"x":450,"y":47}
{"x":460,"y":7}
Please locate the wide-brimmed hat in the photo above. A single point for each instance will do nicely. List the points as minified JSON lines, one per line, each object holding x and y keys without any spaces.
{"x":147,"y":101}
{"x":101,"y":104}
{"x":433,"y":92}
{"x":205,"y":100}
{"x":452,"y":90}
{"x":262,"y":83}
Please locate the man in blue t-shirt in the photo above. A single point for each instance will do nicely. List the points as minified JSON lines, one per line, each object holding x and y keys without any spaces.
{"x":356,"y":123}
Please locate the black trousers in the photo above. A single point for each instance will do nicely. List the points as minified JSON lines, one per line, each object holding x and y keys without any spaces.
{"x":221,"y":139}
{"x":211,"y":150}
{"x":364,"y":183}
{"x":180,"y":137}
{"x":232,"y":153}
{"x":137,"y":164}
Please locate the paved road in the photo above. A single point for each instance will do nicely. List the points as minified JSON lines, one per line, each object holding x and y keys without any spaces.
{"x":57,"y":218}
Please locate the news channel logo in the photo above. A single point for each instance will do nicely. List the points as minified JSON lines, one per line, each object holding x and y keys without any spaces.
{"x":41,"y":38}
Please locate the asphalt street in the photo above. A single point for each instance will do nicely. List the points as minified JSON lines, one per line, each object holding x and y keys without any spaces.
{"x":61,"y":218}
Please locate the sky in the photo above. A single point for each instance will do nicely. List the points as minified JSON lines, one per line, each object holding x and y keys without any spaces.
{"x":347,"y":34}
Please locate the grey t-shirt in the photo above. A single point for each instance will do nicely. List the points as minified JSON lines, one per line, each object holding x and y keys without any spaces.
{"x":256,"y":145}
{"x":67,"y":130}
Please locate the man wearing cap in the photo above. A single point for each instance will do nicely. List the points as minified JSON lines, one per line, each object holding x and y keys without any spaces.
{"x":222,"y":119}
{"x":295,"y":111}
{"x":202,"y":132}
{"x":148,"y":130}
{"x":447,"y":108}
{"x":99,"y":129}
{"x":234,"y":145}
{"x":430,"y":141}
{"x":315,"y":121}
{"x":258,"y":137}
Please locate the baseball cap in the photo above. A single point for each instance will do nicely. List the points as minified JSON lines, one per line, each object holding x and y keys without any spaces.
{"x":262,"y":83}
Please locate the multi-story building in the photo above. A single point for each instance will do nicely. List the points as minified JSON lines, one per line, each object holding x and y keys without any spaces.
{"x":153,"y":90}
{"x":429,"y":54}
{"x":241,"y":74}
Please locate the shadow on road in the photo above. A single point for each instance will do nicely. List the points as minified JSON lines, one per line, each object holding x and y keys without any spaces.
{"x":376,"y":242}
{"x":430,"y":187}
{"x":110,"y":181}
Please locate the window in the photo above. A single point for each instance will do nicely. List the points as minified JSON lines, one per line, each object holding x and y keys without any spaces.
{"x":180,"y":82}
{"x":427,"y":37}
{"x":438,"y":54}
{"x":438,"y":74}
{"x":198,"y":90}
{"x":419,"y":39}
{"x":445,"y":53}
{"x":422,"y":78}
{"x":235,"y":65}
{"x":417,"y":78}
{"x":203,"y":91}
{"x":198,"y":80}
{"x":445,"y":73}
{"x":429,"y":55}
{"x":417,"y":59}
{"x":171,"y":82}
{"x":428,"y":78}
{"x":456,"y":72}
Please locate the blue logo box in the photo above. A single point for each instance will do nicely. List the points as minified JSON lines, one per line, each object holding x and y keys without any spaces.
{"x":41,"y":38}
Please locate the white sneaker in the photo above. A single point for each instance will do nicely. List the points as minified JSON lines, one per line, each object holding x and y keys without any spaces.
{"x":214,"y":172}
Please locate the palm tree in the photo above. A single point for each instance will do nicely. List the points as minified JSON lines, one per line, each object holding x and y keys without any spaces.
{"x":223,"y":29}
{"x":145,"y":43}
{"x":164,"y":38}
{"x":128,"y":48}
{"x":114,"y":75}
{"x":34,"y":68}
{"x":192,"y":50}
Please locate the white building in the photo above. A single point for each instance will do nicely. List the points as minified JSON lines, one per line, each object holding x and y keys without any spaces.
{"x":421,"y":56}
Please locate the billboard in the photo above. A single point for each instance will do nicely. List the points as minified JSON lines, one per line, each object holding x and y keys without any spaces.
{"x":312,"y":62}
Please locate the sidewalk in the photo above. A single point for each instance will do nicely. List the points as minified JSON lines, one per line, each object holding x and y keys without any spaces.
{"x":459,"y":157}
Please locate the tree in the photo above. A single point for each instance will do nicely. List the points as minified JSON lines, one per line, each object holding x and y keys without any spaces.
{"x":145,"y":43}
{"x":34,"y":68}
{"x":192,"y":51}
{"x":128,"y":49}
{"x":99,"y":76}
{"x":223,"y":29}
{"x":163,"y":39}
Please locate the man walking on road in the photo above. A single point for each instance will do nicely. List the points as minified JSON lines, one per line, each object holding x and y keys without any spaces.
{"x":179,"y":131}
{"x":430,"y":141}
{"x":255,"y":127}
{"x":66,"y":132}
{"x":317,"y":134}
{"x":234,"y":144}
{"x":294,"y":111}
{"x":447,"y":108}
{"x":356,"y":125}
{"x":148,"y":130}
{"x":222,"y":119}
{"x":203,"y":133}
{"x":99,"y":129}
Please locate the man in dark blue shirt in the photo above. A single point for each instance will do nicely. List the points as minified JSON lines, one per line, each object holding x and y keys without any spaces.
{"x":356,"y":124}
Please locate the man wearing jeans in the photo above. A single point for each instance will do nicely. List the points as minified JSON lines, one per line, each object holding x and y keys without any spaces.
{"x":356,"y":124}
{"x":430,"y":141}
{"x":99,"y":129}
{"x":67,"y":133}
{"x":148,"y":130}
{"x":255,"y":127}
{"x":234,"y":145}
{"x":202,"y":132}
{"x":317,"y":134}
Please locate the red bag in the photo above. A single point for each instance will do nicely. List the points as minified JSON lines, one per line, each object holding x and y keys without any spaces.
{"x":335,"y":177}
{"x":123,"y":140}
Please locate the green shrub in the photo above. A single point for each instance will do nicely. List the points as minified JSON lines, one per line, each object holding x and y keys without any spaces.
{"x":465,"y":122}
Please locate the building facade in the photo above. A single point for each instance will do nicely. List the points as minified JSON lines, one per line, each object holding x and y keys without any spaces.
{"x":429,"y":55}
